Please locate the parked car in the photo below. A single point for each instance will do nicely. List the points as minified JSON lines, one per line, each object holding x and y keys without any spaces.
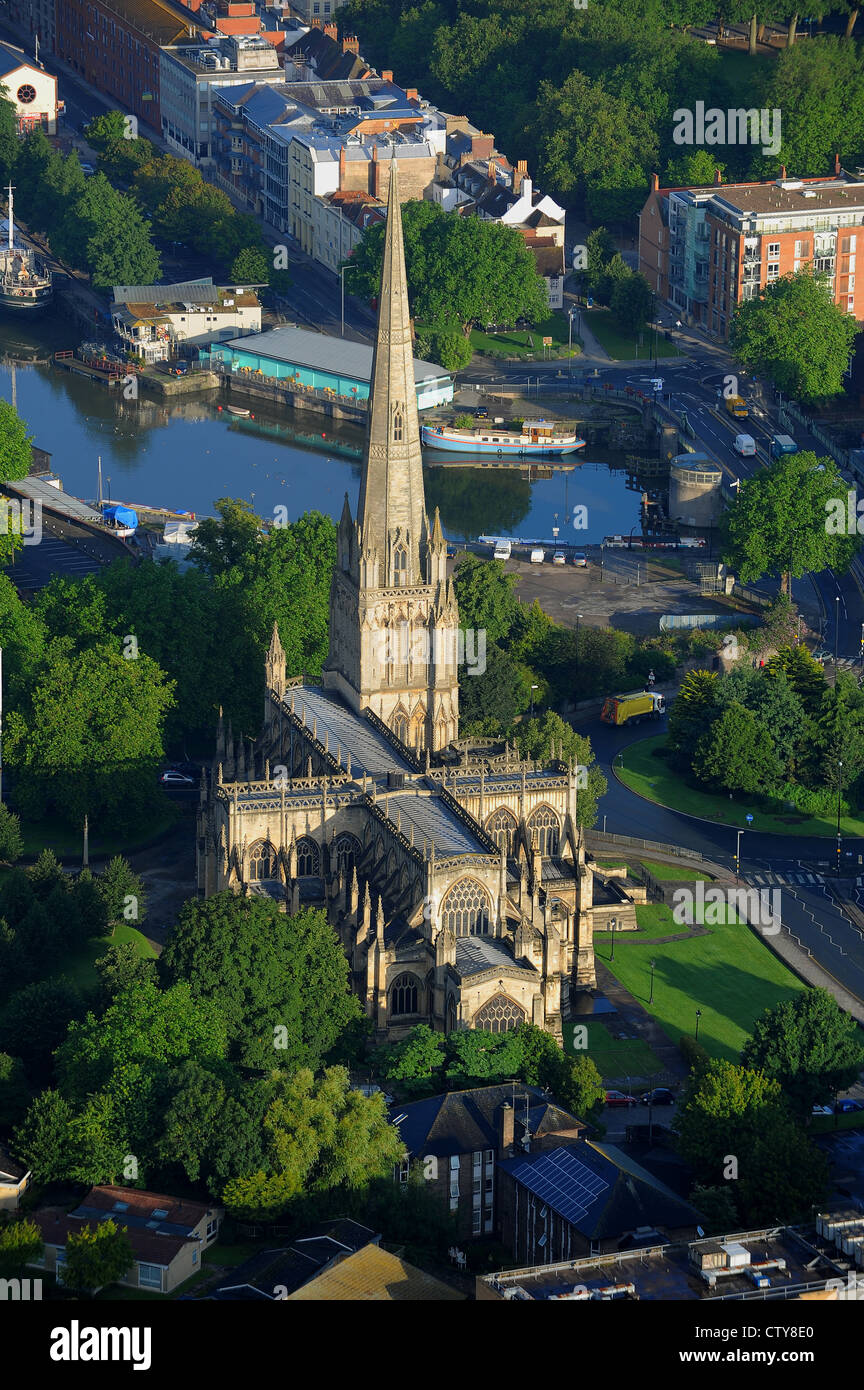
{"x":451,"y":552}
{"x":821,"y":654}
{"x":373,"y":1090}
{"x":846,"y":1107}
{"x":173,"y":778}
{"x":481,"y":413}
{"x":580,"y":561}
{"x":619,"y":1098}
{"x":538,"y":555}
{"x":661,"y":1095}
{"x":821,"y":1110}
{"x":559,"y":558}
{"x":87,"y":168}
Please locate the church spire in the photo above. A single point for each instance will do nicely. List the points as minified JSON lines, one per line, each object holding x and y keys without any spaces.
{"x":391,"y":510}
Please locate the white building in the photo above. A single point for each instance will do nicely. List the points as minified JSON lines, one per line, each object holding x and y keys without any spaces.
{"x":32,"y":91}
{"x":189,"y":74}
{"x":154,"y":321}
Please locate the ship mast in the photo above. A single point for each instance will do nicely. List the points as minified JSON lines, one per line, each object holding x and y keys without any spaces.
{"x":11,"y":228}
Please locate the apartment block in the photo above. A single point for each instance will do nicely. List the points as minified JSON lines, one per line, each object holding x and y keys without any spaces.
{"x":190,"y":74}
{"x":706,"y":250}
{"x":37,"y":19}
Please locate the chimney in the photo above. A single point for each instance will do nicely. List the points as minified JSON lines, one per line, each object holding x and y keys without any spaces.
{"x":836,"y":164}
{"x":387,"y":75}
{"x":411,"y":93}
{"x":342,"y":161}
{"x":783,"y":171}
{"x":519,"y":174}
{"x":718,"y":176}
{"x":655,"y":182}
{"x":331,"y":31}
{"x":351,"y":44}
{"x":506,"y":1130}
{"x":490,"y":169}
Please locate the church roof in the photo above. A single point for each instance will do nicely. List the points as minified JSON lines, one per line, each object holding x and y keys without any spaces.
{"x":434,"y":820}
{"x":370,"y":751}
{"x":477,"y":953}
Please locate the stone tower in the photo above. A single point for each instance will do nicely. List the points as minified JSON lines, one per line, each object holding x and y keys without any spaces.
{"x":394,"y":625}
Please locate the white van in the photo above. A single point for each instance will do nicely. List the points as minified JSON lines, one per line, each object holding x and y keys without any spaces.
{"x":502,"y":550}
{"x":745,"y":445}
{"x":537,"y":556}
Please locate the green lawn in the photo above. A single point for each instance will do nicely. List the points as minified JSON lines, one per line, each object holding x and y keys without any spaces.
{"x":667,"y":872}
{"x":652,"y":778}
{"x":53,"y":833}
{"x":517,"y":342}
{"x":614,"y":1057}
{"x":81,"y":968}
{"x":729,"y":974}
{"x":622,"y":345}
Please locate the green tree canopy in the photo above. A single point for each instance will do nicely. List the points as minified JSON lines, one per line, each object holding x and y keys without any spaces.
{"x":809,"y":1046}
{"x":797,"y":336}
{"x":96,"y":1256}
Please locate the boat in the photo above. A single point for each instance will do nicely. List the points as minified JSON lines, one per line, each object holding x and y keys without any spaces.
{"x":538,"y":438}
{"x":25,"y":283}
{"x":237,"y":410}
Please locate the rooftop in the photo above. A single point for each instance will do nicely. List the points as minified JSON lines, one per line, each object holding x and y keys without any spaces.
{"x":371,"y":1275}
{"x":303,"y":348}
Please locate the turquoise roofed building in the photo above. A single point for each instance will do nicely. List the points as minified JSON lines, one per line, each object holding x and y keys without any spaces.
{"x":316,"y":361}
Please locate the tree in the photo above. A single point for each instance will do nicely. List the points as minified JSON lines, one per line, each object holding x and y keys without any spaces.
{"x":122,"y":968}
{"x":485,"y":593}
{"x":600,"y":249}
{"x":97,"y":1256}
{"x":414,"y":1061}
{"x":809,"y":1046}
{"x":446,"y":346}
{"x":104,"y":233}
{"x":475,"y":1056}
{"x":574,"y":1081}
{"x":11,"y":844}
{"x":819,"y":87}
{"x":91,"y":740}
{"x":14,"y":1091}
{"x":320,"y":1135}
{"x":491,"y":699}
{"x":193,"y":1118}
{"x":736,"y":754}
{"x":250,"y":267}
{"x":122,"y":892}
{"x":804,"y":676}
{"x":797,"y":336}
{"x":697,"y":169}
{"x":34,"y":1021}
{"x":632,"y":302}
{"x":279,"y":982}
{"x":21,"y":1244}
{"x":461,"y":270}
{"x":537,"y":738}
{"x":42,"y":1139}
{"x":778,"y":523}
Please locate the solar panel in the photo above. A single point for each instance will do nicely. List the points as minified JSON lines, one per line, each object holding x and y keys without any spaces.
{"x":563,"y":1182}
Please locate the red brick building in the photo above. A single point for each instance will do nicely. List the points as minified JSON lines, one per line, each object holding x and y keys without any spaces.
{"x":114,"y":45}
{"x":706,"y":250}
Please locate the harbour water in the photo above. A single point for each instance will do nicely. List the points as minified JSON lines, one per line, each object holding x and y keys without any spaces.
{"x":185,"y":453}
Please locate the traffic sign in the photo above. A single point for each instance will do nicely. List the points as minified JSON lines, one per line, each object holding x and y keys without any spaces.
{"x":749,"y":818}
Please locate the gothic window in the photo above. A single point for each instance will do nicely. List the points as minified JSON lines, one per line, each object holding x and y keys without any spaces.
{"x":466,"y":909}
{"x":400,"y":566}
{"x":262,"y":861}
{"x":501,"y":825}
{"x":544,"y":824}
{"x":347,"y":852}
{"x":308,"y":858}
{"x":499,"y":1015}
{"x":404,"y":995}
{"x":397,"y":425}
{"x":400,"y":726}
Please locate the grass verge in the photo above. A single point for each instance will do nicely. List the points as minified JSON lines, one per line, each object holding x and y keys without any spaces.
{"x":614,"y":1057}
{"x":652,"y":778}
{"x":622,"y":345}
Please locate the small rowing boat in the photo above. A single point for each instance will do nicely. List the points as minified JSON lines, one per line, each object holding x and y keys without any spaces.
{"x":237,"y":410}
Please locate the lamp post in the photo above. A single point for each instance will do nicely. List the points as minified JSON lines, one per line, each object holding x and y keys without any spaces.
{"x":738,"y":855}
{"x":342,"y":270}
{"x":578,"y":620}
{"x":109,"y":489}
{"x":698,"y":1016}
{"x":533,"y":688}
{"x":613,"y":923}
{"x":839,"y":790}
{"x":653,"y":964}
{"x":836,"y":625}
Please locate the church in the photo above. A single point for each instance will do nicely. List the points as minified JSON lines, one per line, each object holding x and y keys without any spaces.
{"x":452,"y":869}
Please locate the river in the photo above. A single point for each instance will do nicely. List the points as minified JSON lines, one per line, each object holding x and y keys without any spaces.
{"x":184,"y":453}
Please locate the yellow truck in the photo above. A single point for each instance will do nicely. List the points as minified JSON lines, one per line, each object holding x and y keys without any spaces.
{"x":632,"y":709}
{"x":737,"y":406}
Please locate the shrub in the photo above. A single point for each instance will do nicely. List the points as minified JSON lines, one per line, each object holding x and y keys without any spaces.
{"x":694,"y":1054}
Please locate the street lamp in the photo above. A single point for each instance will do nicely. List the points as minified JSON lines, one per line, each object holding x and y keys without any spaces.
{"x":342,"y":270}
{"x":836,"y":625}
{"x":839,"y":790}
{"x":613,"y":924}
{"x":109,"y":489}
{"x":571,"y":311}
{"x":533,"y":688}
{"x":578,"y":620}
{"x":698,"y":1016}
{"x":653,"y":964}
{"x":738,"y":855}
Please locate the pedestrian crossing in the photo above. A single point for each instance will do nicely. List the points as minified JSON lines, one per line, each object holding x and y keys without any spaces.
{"x":768,"y":880}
